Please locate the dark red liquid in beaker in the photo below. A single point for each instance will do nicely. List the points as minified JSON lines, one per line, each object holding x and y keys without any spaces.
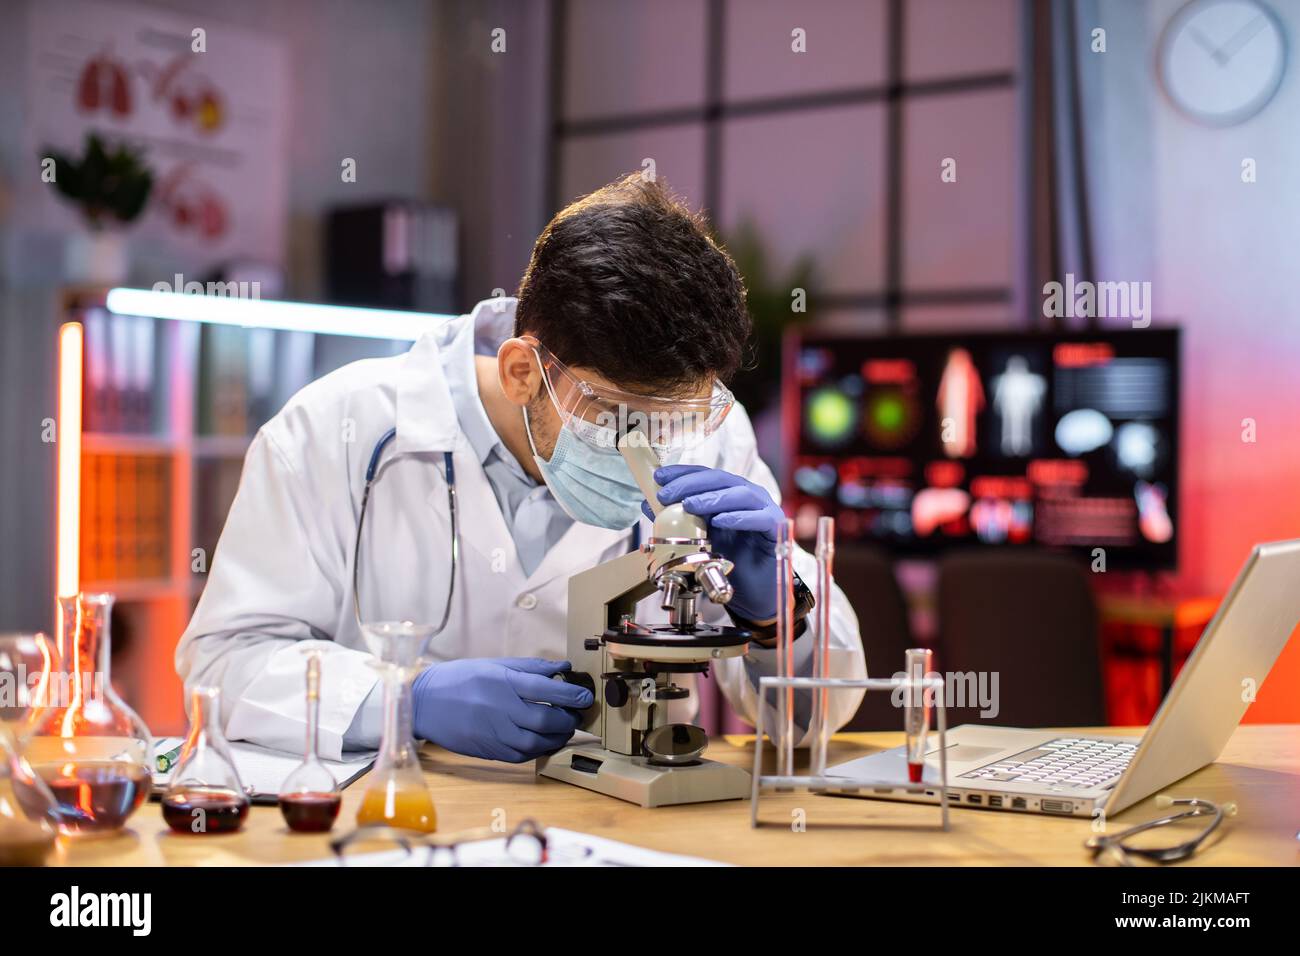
{"x":204,"y":811}
{"x":310,"y":812}
{"x":96,"y":796}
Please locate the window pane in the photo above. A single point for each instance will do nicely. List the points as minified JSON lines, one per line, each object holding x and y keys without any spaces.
{"x":945,"y":38}
{"x":959,"y":234}
{"x":624,"y":56}
{"x":588,"y":162}
{"x":958,"y":318}
{"x":844,"y":42}
{"x":848,"y":321}
{"x":811,"y":182}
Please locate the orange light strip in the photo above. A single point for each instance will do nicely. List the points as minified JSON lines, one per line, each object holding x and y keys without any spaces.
{"x":68,"y":547}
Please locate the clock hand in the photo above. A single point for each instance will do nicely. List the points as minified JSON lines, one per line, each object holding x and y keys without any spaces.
{"x":1241,"y":38}
{"x":1204,"y":43}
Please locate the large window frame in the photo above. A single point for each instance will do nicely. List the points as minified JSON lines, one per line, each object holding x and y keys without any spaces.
{"x":893,"y":298}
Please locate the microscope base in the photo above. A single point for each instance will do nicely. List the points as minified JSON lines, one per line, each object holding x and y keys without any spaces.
{"x":636,"y":780}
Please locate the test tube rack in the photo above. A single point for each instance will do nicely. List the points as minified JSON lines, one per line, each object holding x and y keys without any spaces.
{"x":824,"y":783}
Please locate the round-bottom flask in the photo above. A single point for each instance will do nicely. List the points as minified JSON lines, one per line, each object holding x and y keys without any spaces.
{"x":89,"y":747}
{"x":28,"y":814}
{"x":205,"y":795}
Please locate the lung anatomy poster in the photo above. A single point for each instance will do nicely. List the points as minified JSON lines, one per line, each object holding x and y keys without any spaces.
{"x":207,"y":104}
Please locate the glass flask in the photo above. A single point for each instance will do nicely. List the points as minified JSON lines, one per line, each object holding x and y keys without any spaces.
{"x":310,"y":797}
{"x":28,"y":813}
{"x":205,"y":795}
{"x":90,"y":748}
{"x":396,"y":794}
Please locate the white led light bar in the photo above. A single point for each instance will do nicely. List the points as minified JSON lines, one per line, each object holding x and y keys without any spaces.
{"x":268,"y":314}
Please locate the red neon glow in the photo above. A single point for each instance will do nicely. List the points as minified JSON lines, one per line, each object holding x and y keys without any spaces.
{"x":1078,"y":354}
{"x":1057,"y":471}
{"x":852,"y":468}
{"x":68,"y":535}
{"x":945,"y":474}
{"x":939,"y":508}
{"x":961,"y":398}
{"x":1000,"y":486}
{"x":889,"y":371}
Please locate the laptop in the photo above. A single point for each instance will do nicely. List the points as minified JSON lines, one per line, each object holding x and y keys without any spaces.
{"x":1044,"y":771}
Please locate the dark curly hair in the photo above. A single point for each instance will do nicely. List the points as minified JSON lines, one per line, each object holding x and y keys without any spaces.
{"x":627,"y":281}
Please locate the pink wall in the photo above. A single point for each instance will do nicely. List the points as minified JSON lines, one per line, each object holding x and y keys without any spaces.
{"x":1171,"y":208}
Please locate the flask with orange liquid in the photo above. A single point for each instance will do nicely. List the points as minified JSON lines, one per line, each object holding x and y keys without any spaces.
{"x":396,"y":794}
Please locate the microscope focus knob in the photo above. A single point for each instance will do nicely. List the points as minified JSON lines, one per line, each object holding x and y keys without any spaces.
{"x":615,"y":692}
{"x":581,"y":678}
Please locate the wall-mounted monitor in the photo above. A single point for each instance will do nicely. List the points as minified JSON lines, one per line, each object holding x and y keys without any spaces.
{"x":923,"y":442}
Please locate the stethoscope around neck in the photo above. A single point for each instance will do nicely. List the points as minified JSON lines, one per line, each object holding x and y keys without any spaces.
{"x":372,"y":470}
{"x":449,"y":473}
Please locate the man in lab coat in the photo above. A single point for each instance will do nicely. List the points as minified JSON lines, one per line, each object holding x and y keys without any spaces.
{"x":628,"y":308}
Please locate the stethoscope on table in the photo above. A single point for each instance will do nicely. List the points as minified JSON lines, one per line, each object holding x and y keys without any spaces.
{"x":372,"y":469}
{"x":1115,"y":848}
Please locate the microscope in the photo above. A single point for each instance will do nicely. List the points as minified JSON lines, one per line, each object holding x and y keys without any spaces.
{"x":640,"y":755}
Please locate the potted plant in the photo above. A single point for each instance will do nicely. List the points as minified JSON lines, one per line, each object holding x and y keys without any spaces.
{"x":110,"y":187}
{"x":771,"y":301}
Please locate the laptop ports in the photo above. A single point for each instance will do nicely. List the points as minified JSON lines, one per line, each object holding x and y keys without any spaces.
{"x":995,"y":801}
{"x":1019,"y":803}
{"x":974,"y":798}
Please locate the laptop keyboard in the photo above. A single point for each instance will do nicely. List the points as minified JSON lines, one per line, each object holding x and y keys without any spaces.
{"x":1070,"y":761}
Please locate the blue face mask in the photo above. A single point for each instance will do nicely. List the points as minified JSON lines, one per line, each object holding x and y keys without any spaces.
{"x":593,"y":487}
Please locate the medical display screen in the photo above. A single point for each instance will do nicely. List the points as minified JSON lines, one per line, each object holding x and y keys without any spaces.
{"x":1065,"y":440}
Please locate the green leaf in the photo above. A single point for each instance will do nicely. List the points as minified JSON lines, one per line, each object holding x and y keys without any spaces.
{"x":106,"y":181}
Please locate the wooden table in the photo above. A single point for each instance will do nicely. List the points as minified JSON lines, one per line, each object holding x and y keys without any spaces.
{"x":1260,"y":770}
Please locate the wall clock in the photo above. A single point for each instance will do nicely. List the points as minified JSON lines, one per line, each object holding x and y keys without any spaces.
{"x":1221,"y":61}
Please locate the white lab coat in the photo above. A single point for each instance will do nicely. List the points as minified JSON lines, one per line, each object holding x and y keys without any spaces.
{"x":281,"y":577}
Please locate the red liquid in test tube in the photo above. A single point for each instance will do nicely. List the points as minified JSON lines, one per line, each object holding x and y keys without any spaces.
{"x":917,"y":711}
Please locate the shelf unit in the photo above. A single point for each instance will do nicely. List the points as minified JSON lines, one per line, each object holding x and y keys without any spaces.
{"x":141,"y":506}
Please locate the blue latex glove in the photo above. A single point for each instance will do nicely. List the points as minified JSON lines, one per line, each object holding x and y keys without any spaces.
{"x":495,"y":708}
{"x":743,"y":521}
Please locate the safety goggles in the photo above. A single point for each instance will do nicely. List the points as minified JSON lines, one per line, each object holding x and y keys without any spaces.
{"x":601,"y":415}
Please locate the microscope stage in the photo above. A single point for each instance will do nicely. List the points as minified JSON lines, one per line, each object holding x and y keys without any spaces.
{"x":667,"y":643}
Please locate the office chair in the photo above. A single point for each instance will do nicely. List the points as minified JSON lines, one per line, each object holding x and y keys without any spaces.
{"x":1030,"y":616}
{"x":866,"y":575}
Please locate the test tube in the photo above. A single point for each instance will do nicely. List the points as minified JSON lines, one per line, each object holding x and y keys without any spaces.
{"x":785,"y":645}
{"x":822,"y":647}
{"x":917,"y":711}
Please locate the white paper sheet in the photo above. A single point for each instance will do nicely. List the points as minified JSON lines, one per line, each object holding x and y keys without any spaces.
{"x":564,"y":848}
{"x":265,"y":770}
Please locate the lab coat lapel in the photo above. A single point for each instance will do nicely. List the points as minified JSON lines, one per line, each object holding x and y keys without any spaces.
{"x":579,"y":548}
{"x":426,"y":418}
